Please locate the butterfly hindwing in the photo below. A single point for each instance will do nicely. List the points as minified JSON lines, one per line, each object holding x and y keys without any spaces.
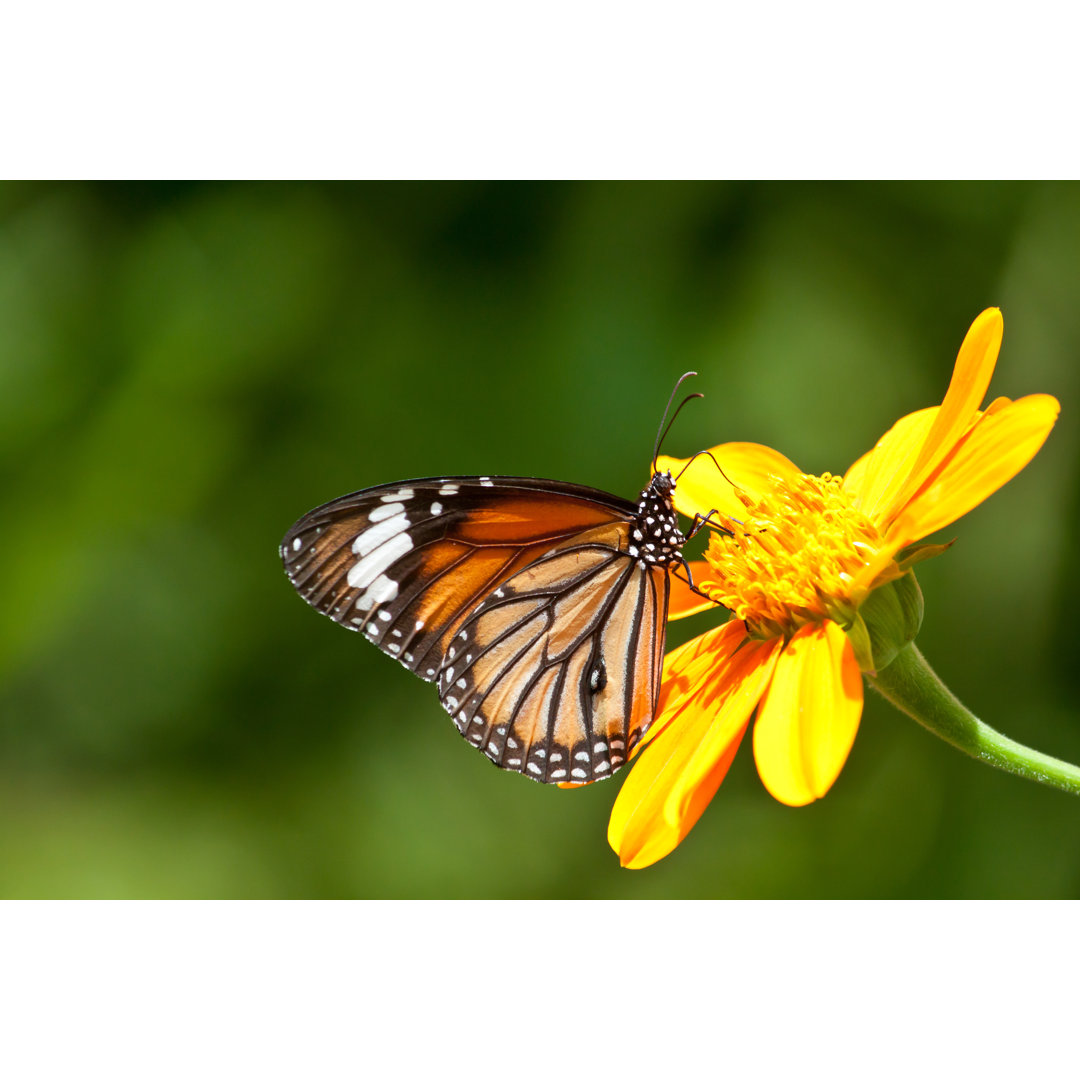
{"x":556,"y":674}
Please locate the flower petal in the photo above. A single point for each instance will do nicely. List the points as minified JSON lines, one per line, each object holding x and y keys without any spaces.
{"x":703,"y":488}
{"x":878,"y":475}
{"x":809,"y":715}
{"x":688,"y":666}
{"x":672,"y":783}
{"x":682,"y":600}
{"x":1003,"y":440}
{"x":970,"y":381}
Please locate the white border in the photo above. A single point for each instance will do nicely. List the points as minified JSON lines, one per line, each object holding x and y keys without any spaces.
{"x":496,"y":989}
{"x":560,"y":89}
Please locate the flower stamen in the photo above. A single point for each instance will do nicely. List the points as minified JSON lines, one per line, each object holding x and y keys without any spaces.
{"x":799,"y":555}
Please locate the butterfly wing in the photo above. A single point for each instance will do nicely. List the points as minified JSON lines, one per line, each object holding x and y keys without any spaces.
{"x":556,"y":673}
{"x":405,"y":563}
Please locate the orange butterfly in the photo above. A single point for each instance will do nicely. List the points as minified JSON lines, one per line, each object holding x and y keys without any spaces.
{"x":538,"y":608}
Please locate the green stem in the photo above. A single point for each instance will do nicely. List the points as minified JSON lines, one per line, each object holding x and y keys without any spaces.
{"x":911,"y":685}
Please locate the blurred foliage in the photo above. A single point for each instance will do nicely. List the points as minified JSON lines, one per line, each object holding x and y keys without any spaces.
{"x":185,"y":369}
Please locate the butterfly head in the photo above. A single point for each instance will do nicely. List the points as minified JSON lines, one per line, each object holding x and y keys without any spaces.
{"x":661,"y":485}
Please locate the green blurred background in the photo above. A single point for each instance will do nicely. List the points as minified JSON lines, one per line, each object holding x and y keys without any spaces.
{"x":185,"y":369}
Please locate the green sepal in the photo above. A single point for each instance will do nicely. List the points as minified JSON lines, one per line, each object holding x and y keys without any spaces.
{"x":918,"y":553}
{"x":891,"y":617}
{"x":888,"y":619}
{"x":859,"y":636}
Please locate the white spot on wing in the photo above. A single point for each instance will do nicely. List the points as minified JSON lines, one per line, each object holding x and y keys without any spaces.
{"x":380,"y":591}
{"x":401,"y":496}
{"x":436,"y":508}
{"x":364,"y":572}
{"x":371,"y":538}
{"x":381,"y":513}
{"x":448,"y":489}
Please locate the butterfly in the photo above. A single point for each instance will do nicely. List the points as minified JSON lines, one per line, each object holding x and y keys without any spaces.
{"x":537,"y":607}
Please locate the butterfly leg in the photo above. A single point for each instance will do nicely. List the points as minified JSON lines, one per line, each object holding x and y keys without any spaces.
{"x":700,"y":521}
{"x":689,"y":579}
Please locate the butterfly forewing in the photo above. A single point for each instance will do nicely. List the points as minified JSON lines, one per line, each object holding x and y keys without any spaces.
{"x":404,"y":563}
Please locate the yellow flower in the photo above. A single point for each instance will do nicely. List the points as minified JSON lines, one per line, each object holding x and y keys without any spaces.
{"x":794,"y":558}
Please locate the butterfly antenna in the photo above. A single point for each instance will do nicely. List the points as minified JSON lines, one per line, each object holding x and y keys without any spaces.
{"x":662,"y":433}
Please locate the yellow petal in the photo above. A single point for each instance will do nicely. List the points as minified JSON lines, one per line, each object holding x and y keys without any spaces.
{"x":809,"y":715}
{"x":997,"y":405}
{"x":682,"y":600}
{"x":674,"y":780}
{"x":703,"y":488}
{"x":1003,"y":440}
{"x":691,"y":791}
{"x":686,"y":667}
{"x":877,"y":476}
{"x":970,"y":380}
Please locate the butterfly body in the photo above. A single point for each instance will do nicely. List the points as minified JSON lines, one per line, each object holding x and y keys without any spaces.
{"x":538,"y":608}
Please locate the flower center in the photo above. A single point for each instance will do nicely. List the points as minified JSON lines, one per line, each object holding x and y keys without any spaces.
{"x":794,"y":558}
